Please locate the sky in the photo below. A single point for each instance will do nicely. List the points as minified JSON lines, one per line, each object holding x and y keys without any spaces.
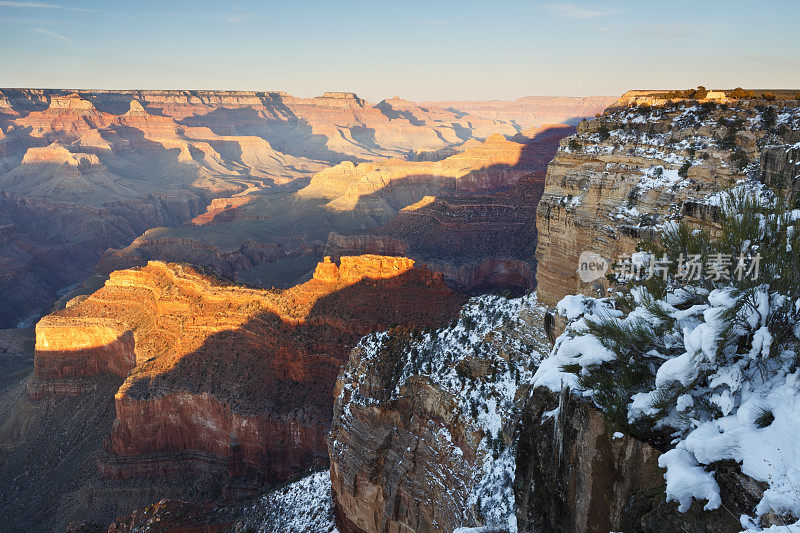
{"x":420,"y":50}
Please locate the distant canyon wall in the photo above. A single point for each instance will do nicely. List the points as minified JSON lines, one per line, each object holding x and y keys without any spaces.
{"x":148,"y":159}
{"x":534,"y":111}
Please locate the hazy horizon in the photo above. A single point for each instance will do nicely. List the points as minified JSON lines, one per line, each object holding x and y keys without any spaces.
{"x":421,"y":51}
{"x":356,"y":92}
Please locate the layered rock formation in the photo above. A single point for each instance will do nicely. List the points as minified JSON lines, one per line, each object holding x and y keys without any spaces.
{"x":226,"y":379}
{"x":157,"y":158}
{"x":432,"y":429}
{"x":479,"y":241}
{"x":628,"y":172}
{"x":276,"y":135}
{"x":423,"y":422}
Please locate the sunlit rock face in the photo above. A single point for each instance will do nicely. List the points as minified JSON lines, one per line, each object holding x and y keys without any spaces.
{"x":625,"y":174}
{"x":224,"y":378}
{"x":484,"y":240}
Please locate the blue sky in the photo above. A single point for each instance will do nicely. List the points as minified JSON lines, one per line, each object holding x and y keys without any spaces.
{"x":421,"y":50}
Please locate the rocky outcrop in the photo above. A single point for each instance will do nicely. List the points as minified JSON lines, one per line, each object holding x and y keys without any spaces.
{"x":627,"y":173}
{"x":226,"y":379}
{"x":85,"y":349}
{"x":572,"y":475}
{"x":423,"y":422}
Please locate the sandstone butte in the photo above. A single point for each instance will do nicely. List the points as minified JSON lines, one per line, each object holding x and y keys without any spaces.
{"x":228,"y":379}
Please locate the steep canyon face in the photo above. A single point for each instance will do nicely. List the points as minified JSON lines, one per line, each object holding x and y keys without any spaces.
{"x":630,"y":171}
{"x":412,"y":445}
{"x":217,"y":386}
{"x":572,"y":475}
{"x":228,"y":165}
{"x":242,"y":375}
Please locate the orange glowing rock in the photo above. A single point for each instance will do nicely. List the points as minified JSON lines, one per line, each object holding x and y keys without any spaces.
{"x":240,"y":379}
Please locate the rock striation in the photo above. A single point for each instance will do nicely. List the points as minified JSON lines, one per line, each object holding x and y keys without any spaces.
{"x":423,"y":422}
{"x":480,"y":241}
{"x":625,"y":174}
{"x":226,"y":379}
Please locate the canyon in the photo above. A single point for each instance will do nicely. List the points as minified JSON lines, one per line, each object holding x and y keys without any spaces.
{"x":321,"y":320}
{"x":424,"y":422}
{"x":255,"y":187}
{"x":144,"y":172}
{"x":275,"y":238}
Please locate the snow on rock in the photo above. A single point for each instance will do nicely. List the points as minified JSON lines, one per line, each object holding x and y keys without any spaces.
{"x":477,"y":366}
{"x":722,"y":365}
{"x":299,"y":507}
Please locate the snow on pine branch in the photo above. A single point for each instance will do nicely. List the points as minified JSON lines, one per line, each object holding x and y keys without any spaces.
{"x":709,"y":368}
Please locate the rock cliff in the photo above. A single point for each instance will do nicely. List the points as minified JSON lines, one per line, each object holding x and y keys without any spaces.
{"x":226,"y":379}
{"x":422,"y":435}
{"x":479,"y":241}
{"x":626,"y":173}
